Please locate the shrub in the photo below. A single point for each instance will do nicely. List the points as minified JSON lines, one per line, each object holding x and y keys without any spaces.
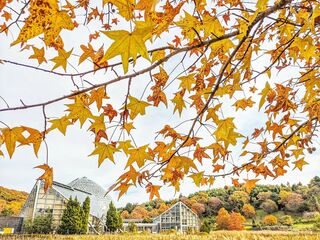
{"x":294,"y":202}
{"x":205,"y":227}
{"x":270,"y":220}
{"x":316,"y":225}
{"x":286,"y":220}
{"x":269,"y":206}
{"x":41,"y":224}
{"x":132,"y":227}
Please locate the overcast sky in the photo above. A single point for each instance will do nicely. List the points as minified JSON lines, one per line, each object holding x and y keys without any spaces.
{"x":69,"y":155}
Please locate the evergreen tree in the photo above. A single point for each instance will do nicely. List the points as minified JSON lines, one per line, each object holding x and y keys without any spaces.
{"x":85,"y":215}
{"x":71,"y":221}
{"x":114,"y":220}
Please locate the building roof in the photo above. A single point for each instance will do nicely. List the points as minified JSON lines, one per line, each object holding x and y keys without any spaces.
{"x":81,"y":188}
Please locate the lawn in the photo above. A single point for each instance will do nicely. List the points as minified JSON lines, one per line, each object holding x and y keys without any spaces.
{"x":218,"y":235}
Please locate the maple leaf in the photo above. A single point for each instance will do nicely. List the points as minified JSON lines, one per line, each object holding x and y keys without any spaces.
{"x":264,"y":94}
{"x":123,"y":188}
{"x":250,"y":184}
{"x":104,"y":151}
{"x":35,"y":138}
{"x":47,"y":176}
{"x":125,"y":146}
{"x":61,"y":59}
{"x":125,"y":7}
{"x":11,"y":136}
{"x":179,"y":103}
{"x":98,"y":124}
{"x":88,"y":52}
{"x":197,"y":177}
{"x":38,"y":54}
{"x":79,"y":111}
{"x":136,"y":107}
{"x":60,"y":124}
{"x":138,"y":155}
{"x":147,"y":5}
{"x":243,"y":103}
{"x":109,"y":111}
{"x":127,"y":44}
{"x":45,"y":17}
{"x":153,"y":190}
{"x":98,"y":95}
{"x":299,"y":164}
{"x":187,"y":81}
{"x":225,"y":131}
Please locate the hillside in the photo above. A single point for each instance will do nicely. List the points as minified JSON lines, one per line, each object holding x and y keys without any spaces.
{"x":11,"y":201}
{"x":300,"y":202}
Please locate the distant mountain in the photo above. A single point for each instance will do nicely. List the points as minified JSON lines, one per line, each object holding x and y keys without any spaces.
{"x":11,"y":201}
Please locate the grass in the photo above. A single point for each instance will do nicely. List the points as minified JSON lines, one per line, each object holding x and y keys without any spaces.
{"x":218,"y":235}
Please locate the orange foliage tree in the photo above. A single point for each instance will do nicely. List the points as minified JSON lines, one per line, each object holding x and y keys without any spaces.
{"x":232,"y":221}
{"x":210,"y":63}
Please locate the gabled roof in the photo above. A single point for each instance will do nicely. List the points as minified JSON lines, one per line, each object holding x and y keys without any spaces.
{"x":82,"y":188}
{"x":179,"y":202}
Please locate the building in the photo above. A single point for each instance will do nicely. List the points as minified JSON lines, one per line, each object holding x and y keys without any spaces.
{"x":55,"y":199}
{"x":179,"y":217}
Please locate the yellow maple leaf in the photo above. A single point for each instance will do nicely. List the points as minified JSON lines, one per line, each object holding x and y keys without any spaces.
{"x":138,"y":155}
{"x":98,"y":95}
{"x":299,"y":164}
{"x":225,"y":131}
{"x":45,"y":17}
{"x":98,"y":124}
{"x":125,"y":7}
{"x":79,"y":111}
{"x":61,"y":59}
{"x":38,"y":54}
{"x":11,"y":137}
{"x":60,"y":124}
{"x":136,"y":107}
{"x":104,"y":151}
{"x":127,"y":44}
{"x":264,"y":94}
{"x":243,"y":103}
{"x":178,"y":102}
{"x":47,"y":176}
{"x":250,"y":184}
{"x":187,"y":81}
{"x":197,"y":177}
{"x":125,"y":146}
{"x":35,"y":138}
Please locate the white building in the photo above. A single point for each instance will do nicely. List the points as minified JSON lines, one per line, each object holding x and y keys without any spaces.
{"x":55,"y":199}
{"x":179,"y":217}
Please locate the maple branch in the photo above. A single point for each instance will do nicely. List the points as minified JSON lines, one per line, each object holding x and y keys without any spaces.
{"x":117,"y":79}
{"x":260,"y":17}
{"x":17,"y":19}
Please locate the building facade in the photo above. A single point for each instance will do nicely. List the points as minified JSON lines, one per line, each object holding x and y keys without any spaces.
{"x":179,"y":217}
{"x":55,"y":199}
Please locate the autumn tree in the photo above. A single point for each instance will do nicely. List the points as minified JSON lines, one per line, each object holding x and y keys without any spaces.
{"x":236,"y":221}
{"x":269,"y":206}
{"x":222,"y":219}
{"x":210,"y":64}
{"x":248,"y":211}
{"x":270,"y":220}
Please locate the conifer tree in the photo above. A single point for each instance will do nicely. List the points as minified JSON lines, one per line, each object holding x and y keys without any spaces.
{"x":85,"y":215}
{"x":71,"y":221}
{"x":114,"y":221}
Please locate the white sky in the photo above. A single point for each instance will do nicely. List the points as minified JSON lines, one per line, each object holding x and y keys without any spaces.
{"x":69,"y":155}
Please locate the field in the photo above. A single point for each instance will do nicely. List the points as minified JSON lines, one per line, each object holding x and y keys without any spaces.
{"x":219,"y":235}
